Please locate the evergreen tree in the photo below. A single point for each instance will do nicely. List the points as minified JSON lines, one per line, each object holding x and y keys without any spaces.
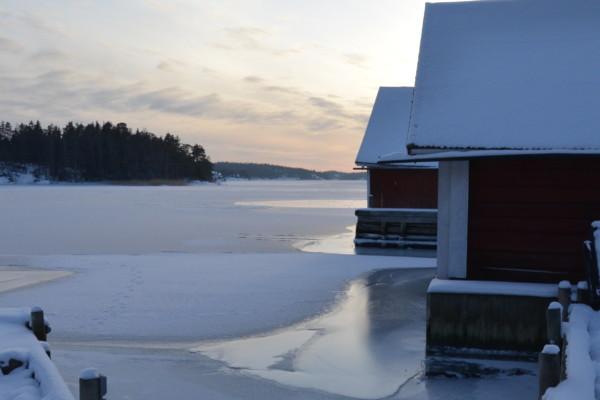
{"x":95,"y":152}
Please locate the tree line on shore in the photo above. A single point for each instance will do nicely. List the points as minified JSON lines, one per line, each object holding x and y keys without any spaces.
{"x":239,"y":170}
{"x":102,"y":152}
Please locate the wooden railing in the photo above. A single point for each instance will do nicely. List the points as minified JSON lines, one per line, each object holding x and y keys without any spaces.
{"x":396,"y":227}
{"x":591,"y":268}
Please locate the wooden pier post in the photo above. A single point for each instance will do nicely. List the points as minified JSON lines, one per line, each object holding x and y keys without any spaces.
{"x":92,"y":385}
{"x":564,"y":298}
{"x":38,"y":324}
{"x":583,"y":294}
{"x":549,"y":368}
{"x":554,"y":323}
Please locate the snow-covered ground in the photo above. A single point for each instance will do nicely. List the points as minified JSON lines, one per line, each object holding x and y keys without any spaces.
{"x":22,"y":174}
{"x":201,"y":292}
{"x":582,"y":359}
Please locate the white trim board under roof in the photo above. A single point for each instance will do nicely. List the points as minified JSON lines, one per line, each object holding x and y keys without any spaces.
{"x":387,"y":128}
{"x":394,"y":158}
{"x":507,"y":75}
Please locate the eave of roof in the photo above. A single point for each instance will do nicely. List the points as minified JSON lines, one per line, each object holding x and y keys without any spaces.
{"x":471,"y":154}
{"x":400,"y":165}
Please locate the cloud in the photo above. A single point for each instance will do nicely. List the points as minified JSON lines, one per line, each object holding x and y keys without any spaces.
{"x":355,"y":59}
{"x":335,"y":109}
{"x":171,"y":64}
{"x":48,"y":55}
{"x":9,"y":46}
{"x":253,"y":79}
{"x":164,"y":66}
{"x":284,"y":90}
{"x":251,"y":39}
{"x":39,"y":23}
{"x":65,"y":93}
{"x":172,"y":100}
{"x":323,"y":124}
{"x":62,"y":89}
{"x":247,"y":37}
{"x":325,"y":104}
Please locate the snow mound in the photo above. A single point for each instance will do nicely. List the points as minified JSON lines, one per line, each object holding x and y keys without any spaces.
{"x":22,"y":174}
{"x":27,"y":371}
{"x":582,"y":357}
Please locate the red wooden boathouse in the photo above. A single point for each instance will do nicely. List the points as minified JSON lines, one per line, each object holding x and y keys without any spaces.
{"x":401,"y":185}
{"x":402,"y":197}
{"x":506,"y":99}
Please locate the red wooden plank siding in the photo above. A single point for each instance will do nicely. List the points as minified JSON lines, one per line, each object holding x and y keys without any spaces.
{"x":528,"y":217}
{"x":403,"y":188}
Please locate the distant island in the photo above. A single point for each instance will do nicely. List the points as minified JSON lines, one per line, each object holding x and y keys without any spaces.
{"x":97,"y":152}
{"x":236,"y":170}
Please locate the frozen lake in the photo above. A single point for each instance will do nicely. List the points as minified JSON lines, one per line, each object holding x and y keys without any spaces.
{"x":237,"y":217}
{"x":202,"y":292}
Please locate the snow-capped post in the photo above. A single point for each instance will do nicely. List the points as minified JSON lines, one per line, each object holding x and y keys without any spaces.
{"x":38,"y":324}
{"x":549,"y":368}
{"x":583,"y":294}
{"x":554,"y":323}
{"x":564,"y":298}
{"x":92,"y":385}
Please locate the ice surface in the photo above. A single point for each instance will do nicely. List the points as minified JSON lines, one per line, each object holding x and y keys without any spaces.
{"x":133,"y":312}
{"x":508,"y":74}
{"x":317,"y":203}
{"x":94,"y":219}
{"x":194,"y":296}
{"x":12,"y":278}
{"x":367,"y":347}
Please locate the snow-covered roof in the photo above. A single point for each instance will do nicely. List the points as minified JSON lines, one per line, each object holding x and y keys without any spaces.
{"x":520,"y":74}
{"x":387,"y":127}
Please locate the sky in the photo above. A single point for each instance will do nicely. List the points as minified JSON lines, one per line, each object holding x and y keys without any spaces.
{"x":288,"y":82}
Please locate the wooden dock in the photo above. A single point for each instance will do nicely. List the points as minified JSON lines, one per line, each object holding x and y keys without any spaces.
{"x":396,"y":227}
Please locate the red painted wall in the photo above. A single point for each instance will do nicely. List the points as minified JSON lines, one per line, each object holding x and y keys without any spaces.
{"x":403,"y":188}
{"x":528,"y":217}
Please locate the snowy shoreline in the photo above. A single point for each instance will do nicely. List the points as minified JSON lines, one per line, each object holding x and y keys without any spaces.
{"x":156,"y":271}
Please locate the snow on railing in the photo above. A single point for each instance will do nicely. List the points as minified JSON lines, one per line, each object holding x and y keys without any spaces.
{"x":24,"y":360}
{"x":582,"y":334}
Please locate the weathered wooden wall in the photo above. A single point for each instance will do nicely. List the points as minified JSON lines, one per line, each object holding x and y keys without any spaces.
{"x":403,"y":188}
{"x":457,"y":322}
{"x":528,"y":217}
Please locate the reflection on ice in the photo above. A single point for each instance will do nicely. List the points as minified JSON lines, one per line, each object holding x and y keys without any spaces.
{"x":305,"y":203}
{"x":366,"y":347}
{"x":343,"y":243}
